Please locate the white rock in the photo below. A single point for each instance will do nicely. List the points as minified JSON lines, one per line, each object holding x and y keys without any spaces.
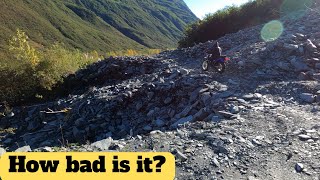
{"x":299,"y":167}
{"x":2,"y":151}
{"x":103,"y":144}
{"x":304,"y":137}
{"x":216,"y":162}
{"x":47,"y":149}
{"x":24,"y":149}
{"x":310,"y":46}
{"x":311,"y":131}
{"x":180,"y":155}
{"x":256,"y":142}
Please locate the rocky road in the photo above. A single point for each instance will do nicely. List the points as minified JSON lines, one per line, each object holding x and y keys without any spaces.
{"x":258,"y":120}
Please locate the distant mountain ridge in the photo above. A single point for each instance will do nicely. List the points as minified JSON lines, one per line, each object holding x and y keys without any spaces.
{"x":102,"y":25}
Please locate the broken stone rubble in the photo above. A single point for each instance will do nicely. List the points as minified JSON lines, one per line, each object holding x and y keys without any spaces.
{"x":213,"y":123}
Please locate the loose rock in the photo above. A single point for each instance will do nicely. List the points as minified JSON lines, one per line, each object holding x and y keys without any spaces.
{"x":103,"y":144}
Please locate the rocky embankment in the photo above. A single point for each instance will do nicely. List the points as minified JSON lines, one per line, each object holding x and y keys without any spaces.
{"x":258,"y":120}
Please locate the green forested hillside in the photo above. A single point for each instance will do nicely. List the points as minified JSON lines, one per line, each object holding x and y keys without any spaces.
{"x":151,"y":23}
{"x":102,"y":25}
{"x":43,"y":41}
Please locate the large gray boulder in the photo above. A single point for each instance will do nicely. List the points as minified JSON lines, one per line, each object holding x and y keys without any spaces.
{"x":103,"y":144}
{"x":307,"y":97}
{"x":299,"y":65}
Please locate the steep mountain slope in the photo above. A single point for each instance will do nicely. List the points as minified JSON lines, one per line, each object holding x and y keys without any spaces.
{"x":103,"y":25}
{"x":151,"y":23}
{"x":49,"y":21}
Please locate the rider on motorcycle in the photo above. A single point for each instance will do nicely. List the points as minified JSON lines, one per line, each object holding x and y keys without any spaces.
{"x":216,"y":51}
{"x":215,"y":59}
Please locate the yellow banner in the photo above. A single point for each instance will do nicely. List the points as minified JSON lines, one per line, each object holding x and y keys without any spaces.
{"x":88,"y":166}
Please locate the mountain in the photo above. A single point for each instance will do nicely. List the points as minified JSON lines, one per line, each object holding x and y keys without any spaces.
{"x":102,"y":25}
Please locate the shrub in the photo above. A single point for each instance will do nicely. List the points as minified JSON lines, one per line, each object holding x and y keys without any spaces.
{"x":131,"y":52}
{"x":58,"y":62}
{"x":18,"y":76}
{"x":22,"y":51}
{"x":30,"y":71}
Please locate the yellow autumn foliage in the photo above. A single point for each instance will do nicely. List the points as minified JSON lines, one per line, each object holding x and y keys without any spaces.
{"x":131,"y":52}
{"x":27,"y":72}
{"x":30,"y":71}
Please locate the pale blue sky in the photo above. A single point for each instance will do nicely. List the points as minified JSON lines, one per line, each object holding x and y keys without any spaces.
{"x":202,"y":7}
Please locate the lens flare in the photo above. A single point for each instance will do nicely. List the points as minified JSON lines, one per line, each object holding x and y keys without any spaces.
{"x":272,"y":31}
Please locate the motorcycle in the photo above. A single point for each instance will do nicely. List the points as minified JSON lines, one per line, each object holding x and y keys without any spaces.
{"x":219,"y":64}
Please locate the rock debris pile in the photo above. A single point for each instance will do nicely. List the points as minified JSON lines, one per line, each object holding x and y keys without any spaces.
{"x":258,"y":120}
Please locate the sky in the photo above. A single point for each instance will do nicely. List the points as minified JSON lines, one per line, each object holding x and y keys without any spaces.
{"x":202,"y":7}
